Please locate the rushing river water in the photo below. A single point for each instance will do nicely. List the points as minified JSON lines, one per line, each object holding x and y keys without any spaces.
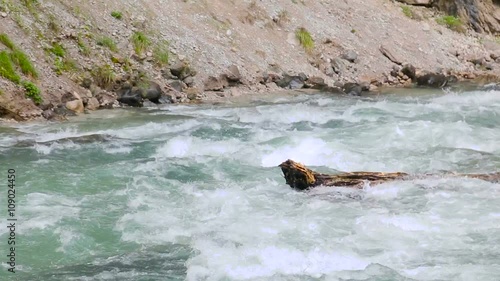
{"x":194,"y":192}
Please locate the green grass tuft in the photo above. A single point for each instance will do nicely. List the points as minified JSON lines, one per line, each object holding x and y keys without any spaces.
{"x":7,"y":68}
{"x":161,"y":53}
{"x":305,"y":39}
{"x":103,"y":75}
{"x":407,"y":11}
{"x":58,"y":50}
{"x":84,"y":49}
{"x":451,"y":22}
{"x":64,"y":65}
{"x":32,"y":92}
{"x":23,"y":61}
{"x":140,"y":41}
{"x":4,"y":39}
{"x":117,"y":15}
{"x":108,"y":43}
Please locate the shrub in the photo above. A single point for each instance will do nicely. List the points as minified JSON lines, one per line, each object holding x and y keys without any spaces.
{"x":4,"y":39}
{"x":117,"y":15}
{"x":7,"y":68}
{"x":58,"y":50}
{"x":161,"y":53}
{"x":140,"y":41}
{"x":103,"y":75}
{"x":22,"y":60}
{"x":107,"y":42}
{"x":305,"y":39}
{"x":451,"y":22}
{"x":32,"y":92}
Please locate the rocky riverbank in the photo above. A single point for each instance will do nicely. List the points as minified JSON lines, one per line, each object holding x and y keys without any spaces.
{"x":94,"y":55}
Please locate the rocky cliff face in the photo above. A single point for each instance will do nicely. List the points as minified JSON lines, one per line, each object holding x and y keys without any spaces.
{"x":482,"y":15}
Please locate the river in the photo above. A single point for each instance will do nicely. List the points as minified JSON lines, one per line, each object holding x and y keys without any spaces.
{"x":194,"y":192}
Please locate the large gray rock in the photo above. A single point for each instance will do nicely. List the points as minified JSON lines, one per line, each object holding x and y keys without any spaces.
{"x":132,"y":97}
{"x":291,"y":82}
{"x":432,"y":80}
{"x":352,"y":89}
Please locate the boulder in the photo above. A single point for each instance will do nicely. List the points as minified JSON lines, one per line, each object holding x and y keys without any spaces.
{"x":432,"y":80}
{"x":409,"y":70}
{"x":233,"y":74}
{"x":177,"y":85}
{"x":352,"y":89}
{"x":106,"y":99}
{"x":339,"y":65}
{"x":315,"y":82}
{"x":132,"y":97}
{"x":75,"y":106}
{"x":216,"y":83}
{"x":92,"y":104}
{"x":291,"y":82}
{"x":153,"y":92}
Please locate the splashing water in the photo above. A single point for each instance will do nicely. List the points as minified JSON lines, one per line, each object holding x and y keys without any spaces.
{"x":194,"y":192}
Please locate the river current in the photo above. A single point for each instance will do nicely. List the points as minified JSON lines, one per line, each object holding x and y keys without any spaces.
{"x":194,"y":192}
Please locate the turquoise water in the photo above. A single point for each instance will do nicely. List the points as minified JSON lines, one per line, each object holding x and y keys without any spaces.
{"x":194,"y":192}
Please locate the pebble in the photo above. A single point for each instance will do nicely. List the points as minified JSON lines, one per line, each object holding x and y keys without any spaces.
{"x":4,"y":14}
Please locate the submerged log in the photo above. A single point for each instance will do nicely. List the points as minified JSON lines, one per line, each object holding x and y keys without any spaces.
{"x":300,"y":177}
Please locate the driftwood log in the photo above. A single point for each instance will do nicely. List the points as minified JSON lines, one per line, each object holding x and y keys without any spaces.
{"x":300,"y":177}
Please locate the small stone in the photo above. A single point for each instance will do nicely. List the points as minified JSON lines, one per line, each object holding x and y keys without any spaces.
{"x":4,"y":15}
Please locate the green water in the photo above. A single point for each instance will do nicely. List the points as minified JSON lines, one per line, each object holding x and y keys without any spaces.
{"x":194,"y":192}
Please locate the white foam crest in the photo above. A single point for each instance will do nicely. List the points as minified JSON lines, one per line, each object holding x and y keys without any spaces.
{"x":181,"y":147}
{"x":152,"y":129}
{"x":284,"y":114}
{"x":55,"y":146}
{"x":44,"y":210}
{"x":245,"y":263}
{"x":312,"y":152}
{"x":474,"y":98}
{"x":66,"y":238}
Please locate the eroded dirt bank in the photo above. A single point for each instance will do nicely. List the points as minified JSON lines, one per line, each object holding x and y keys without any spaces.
{"x":88,"y":55}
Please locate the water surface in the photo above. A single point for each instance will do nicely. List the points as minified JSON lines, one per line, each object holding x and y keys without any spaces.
{"x":194,"y":192}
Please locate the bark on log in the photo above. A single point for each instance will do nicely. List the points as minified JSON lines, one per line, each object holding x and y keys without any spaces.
{"x":300,"y":177}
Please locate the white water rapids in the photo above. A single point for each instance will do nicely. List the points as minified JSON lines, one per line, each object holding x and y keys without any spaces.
{"x":194,"y":192}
